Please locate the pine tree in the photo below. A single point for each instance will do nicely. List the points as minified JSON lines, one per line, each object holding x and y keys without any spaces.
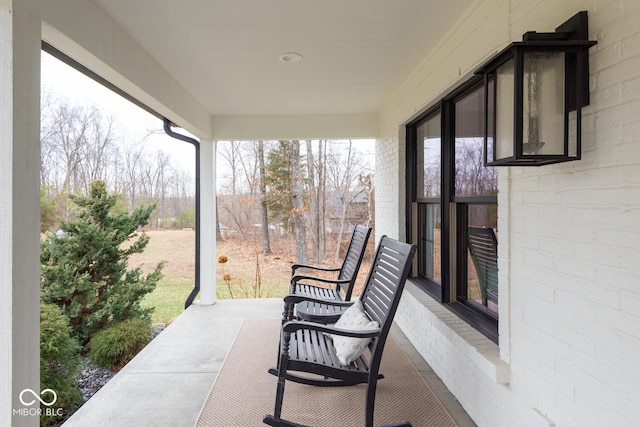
{"x":278,"y":180}
{"x":84,"y":270}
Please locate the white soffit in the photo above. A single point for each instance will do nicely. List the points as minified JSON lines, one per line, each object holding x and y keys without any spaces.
{"x":225,"y":53}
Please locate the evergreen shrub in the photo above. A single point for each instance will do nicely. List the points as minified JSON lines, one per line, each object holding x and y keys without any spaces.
{"x":59,"y":363}
{"x":85,"y":269}
{"x":115,"y":346}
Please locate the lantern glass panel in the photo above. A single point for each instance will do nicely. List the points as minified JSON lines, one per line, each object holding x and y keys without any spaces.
{"x":543,"y":104}
{"x":489,"y":122}
{"x":504,"y":110}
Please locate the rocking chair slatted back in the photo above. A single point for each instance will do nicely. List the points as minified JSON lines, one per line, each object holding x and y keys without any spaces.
{"x":316,"y":288}
{"x":383,"y":288}
{"x":353,"y":258}
{"x":347,"y":273}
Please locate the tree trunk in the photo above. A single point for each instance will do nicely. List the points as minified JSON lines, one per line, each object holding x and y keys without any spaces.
{"x":266,"y":242}
{"x":313,"y":206}
{"x":343,"y":216}
{"x":322,"y":180}
{"x":218,"y":233}
{"x":366,"y":181}
{"x":298,"y":204}
{"x":346,"y":200}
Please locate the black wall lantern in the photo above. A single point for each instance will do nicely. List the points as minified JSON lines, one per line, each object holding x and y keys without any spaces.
{"x":534,"y":92}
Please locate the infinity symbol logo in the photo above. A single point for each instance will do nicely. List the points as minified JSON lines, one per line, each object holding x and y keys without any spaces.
{"x":37,"y":397}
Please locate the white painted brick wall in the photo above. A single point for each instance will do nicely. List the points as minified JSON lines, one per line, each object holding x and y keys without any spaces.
{"x":390,"y":181}
{"x":569,"y":236}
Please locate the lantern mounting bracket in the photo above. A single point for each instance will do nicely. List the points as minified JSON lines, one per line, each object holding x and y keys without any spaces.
{"x":575,"y":28}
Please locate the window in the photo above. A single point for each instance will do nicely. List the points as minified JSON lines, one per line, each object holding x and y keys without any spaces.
{"x":429,"y":190}
{"x":453,"y":201}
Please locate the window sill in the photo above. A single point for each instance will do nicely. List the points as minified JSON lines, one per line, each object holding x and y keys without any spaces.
{"x":479,"y":349}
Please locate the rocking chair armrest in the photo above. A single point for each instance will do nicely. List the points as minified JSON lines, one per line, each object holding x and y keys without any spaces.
{"x":294,"y":267}
{"x":296,"y":278}
{"x":297,"y":298}
{"x":295,"y":325}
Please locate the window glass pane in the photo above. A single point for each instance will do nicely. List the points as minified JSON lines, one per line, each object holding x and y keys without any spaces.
{"x":472,"y":178}
{"x":429,"y":242}
{"x":482,"y":257}
{"x":430,"y":157}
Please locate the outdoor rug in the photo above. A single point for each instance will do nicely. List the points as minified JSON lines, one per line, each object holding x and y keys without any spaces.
{"x":244,"y":391}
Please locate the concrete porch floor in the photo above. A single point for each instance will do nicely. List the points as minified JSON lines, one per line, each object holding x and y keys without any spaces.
{"x":167,"y":383}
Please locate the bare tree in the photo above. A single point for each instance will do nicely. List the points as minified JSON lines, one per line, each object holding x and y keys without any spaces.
{"x":266,"y":241}
{"x":472,"y":178}
{"x":230,"y":153}
{"x":155,"y":178}
{"x":314,"y":211}
{"x":48,"y":153}
{"x":218,"y":233}
{"x":238,"y":162}
{"x":133,"y":163}
{"x":322,"y":185}
{"x":366,"y":183}
{"x":343,"y":171}
{"x":97,"y":150}
{"x":250,"y":167}
{"x":69,"y":128}
{"x":79,"y":144}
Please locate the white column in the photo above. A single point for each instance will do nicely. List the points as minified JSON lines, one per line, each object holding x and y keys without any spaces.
{"x":207,"y":222}
{"x":19,"y":209}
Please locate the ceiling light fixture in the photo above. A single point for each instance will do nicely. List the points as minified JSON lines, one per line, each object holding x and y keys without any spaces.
{"x":290,"y":57}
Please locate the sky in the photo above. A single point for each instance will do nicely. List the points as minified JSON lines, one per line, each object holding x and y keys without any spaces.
{"x":64,"y":82}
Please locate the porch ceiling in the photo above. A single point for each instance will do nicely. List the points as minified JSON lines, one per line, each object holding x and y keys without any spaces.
{"x":225,"y":53}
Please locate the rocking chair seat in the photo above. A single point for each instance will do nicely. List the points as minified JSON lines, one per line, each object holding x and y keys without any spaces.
{"x":311,"y":351}
{"x":319,"y":292}
{"x":321,"y":312}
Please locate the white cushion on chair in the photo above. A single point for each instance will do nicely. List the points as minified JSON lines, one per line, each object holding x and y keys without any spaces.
{"x":354,"y":318}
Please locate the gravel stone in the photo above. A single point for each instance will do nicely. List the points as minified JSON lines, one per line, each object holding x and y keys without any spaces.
{"x":92,"y":378}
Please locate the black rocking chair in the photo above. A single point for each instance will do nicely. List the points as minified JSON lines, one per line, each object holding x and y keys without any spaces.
{"x":307,"y":353}
{"x":342,"y":285}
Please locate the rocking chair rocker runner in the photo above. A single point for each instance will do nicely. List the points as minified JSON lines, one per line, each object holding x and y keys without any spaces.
{"x":343,"y":285}
{"x":307,"y":354}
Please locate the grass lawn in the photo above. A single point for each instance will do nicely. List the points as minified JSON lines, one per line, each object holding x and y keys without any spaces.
{"x":168,"y":299}
{"x":176,"y":249}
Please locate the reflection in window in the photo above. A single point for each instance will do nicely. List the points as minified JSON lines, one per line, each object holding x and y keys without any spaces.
{"x":473,"y":181}
{"x":472,"y":178}
{"x":482,"y":266}
{"x":429,"y":231}
{"x":430,"y":155}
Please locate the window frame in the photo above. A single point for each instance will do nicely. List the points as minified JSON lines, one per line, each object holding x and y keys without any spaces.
{"x":453,"y":214}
